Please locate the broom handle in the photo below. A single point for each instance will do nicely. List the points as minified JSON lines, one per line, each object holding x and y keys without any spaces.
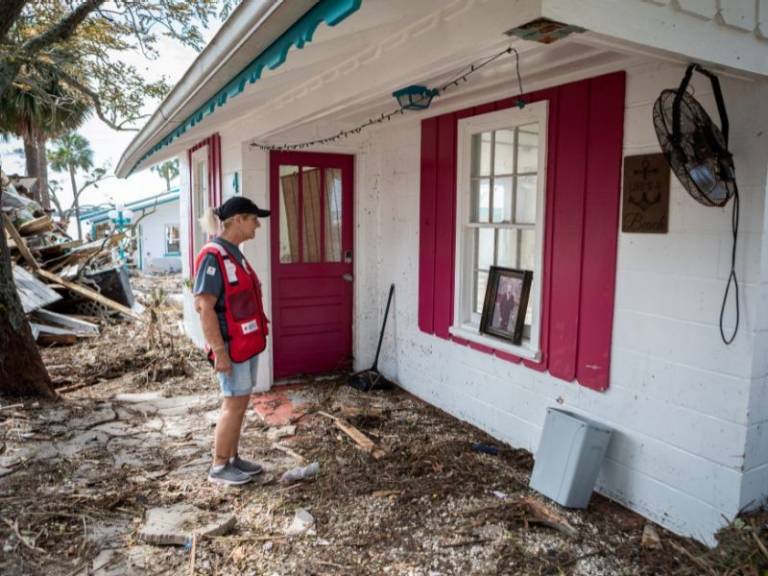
{"x":383,"y":326}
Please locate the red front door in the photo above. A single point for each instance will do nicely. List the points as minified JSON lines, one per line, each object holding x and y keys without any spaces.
{"x":311,"y":234}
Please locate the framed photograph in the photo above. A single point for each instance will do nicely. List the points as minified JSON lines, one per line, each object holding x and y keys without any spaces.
{"x":506,"y":300}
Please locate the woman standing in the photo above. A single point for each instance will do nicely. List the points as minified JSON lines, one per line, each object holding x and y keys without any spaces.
{"x":228,"y":299}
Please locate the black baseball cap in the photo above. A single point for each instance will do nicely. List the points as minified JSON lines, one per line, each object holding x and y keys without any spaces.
{"x":239,"y":205}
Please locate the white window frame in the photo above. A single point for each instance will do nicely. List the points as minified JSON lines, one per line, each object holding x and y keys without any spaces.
{"x":466,"y":323}
{"x":200,"y":194}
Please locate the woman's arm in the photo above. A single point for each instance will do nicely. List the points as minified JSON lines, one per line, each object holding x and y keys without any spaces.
{"x":204,"y":304}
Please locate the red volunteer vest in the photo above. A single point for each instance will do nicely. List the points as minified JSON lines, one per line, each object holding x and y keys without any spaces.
{"x":246,"y":322}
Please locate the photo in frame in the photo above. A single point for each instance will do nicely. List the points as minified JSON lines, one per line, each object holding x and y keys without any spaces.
{"x":506,"y":300}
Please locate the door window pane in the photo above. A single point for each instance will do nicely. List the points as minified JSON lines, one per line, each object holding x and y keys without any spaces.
{"x":481,"y":154}
{"x":525,"y":206}
{"x":485,"y":248}
{"x":508,"y":247}
{"x":312,"y":209}
{"x":502,"y":200}
{"x":481,"y":199}
{"x":504,"y":153}
{"x":333,"y":214}
{"x":289,"y":214}
{"x":481,"y":283}
{"x":528,"y":148}
{"x":172,"y":239}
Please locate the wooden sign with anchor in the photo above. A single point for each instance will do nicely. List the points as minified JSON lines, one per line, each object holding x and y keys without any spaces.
{"x":646,"y":194}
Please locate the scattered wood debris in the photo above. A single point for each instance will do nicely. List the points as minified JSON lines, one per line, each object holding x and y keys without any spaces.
{"x":55,"y":274}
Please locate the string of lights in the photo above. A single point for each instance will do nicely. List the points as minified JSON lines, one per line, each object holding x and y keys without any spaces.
{"x":386,"y":117}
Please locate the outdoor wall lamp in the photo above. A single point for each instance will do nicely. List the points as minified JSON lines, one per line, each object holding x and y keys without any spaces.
{"x":414,"y":97}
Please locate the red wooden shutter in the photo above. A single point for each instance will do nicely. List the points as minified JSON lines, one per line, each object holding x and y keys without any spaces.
{"x":586,"y":122}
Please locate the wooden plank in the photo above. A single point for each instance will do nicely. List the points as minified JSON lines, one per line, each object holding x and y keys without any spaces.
{"x":36,"y":226}
{"x":20,"y":244}
{"x":427,"y":224}
{"x":88,"y":293}
{"x":53,"y":330}
{"x":363,"y":442}
{"x":601,"y":231}
{"x":74,"y":324}
{"x":568,"y":222}
{"x":33,"y":293}
{"x":445,"y":232}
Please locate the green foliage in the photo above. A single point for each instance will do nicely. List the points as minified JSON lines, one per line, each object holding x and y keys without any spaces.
{"x":168,"y":170}
{"x":72,"y":151}
{"x":82,"y":42}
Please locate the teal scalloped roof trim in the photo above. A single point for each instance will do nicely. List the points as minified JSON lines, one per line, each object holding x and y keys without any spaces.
{"x":300,"y":34}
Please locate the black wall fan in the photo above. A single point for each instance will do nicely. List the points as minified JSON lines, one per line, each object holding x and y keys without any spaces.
{"x":697,"y":151}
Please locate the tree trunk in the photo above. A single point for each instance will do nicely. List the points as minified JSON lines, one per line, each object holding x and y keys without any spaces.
{"x":42,"y":176}
{"x":31,"y":160}
{"x":76,"y":202}
{"x":167,"y":183}
{"x":22,"y":372}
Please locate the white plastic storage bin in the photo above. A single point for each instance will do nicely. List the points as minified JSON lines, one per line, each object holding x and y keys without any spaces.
{"x":569,"y":457}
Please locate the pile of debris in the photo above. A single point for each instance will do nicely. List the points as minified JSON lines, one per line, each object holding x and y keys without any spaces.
{"x":66,"y":286}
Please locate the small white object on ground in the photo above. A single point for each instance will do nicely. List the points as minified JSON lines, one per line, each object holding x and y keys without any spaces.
{"x":301,"y":473}
{"x":302,"y":521}
{"x":175,"y":525}
{"x":651,"y":537}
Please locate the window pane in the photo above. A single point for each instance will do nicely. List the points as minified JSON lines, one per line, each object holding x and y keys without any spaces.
{"x":525,"y":206}
{"x":508,"y":246}
{"x":481,"y":198}
{"x":172,"y":239}
{"x":333,"y":215}
{"x":481,"y":154}
{"x":311,"y":207}
{"x":485,"y":248}
{"x":528,"y":148}
{"x":527,"y":249}
{"x":504,"y":156}
{"x":289,"y":214}
{"x":502,"y":200}
{"x":481,"y":282}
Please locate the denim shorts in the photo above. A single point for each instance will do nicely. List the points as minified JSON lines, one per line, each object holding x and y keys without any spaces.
{"x":242,"y":380}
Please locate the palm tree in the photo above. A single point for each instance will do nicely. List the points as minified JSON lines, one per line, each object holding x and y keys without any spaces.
{"x":37,"y":107}
{"x":168,"y":170}
{"x":73,"y":153}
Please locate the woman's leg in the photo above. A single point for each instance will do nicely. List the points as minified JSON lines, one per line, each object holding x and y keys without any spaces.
{"x":227,"y":435}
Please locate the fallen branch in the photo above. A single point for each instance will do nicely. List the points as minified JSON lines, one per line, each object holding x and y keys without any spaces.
{"x":15,"y":527}
{"x":543,"y":514}
{"x":362,"y":441}
{"x":698,"y":561}
{"x":9,"y":406}
{"x":88,"y":293}
{"x":290,"y":452}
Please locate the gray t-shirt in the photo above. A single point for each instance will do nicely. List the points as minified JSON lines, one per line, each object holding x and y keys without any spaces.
{"x":210,"y":280}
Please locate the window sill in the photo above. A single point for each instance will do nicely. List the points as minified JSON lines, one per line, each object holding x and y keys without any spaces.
{"x":469,"y":332}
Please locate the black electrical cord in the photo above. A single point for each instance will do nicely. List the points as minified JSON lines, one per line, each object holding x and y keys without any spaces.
{"x":732,"y":276}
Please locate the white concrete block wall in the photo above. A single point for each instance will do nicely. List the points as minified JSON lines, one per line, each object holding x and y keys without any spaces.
{"x":681,"y":402}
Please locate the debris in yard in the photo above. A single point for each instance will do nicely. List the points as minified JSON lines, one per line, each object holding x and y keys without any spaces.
{"x":302,"y":522}
{"x":176,"y":525}
{"x":301,"y":473}
{"x":651,"y":537}
{"x":541,"y":513}
{"x":78,"y":478}
{"x":485,"y":448}
{"x":275,"y":434}
{"x":67,"y":275}
{"x":363,"y":442}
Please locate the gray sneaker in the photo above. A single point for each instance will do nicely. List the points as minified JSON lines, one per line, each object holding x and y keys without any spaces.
{"x":228,"y":475}
{"x":250,"y":468}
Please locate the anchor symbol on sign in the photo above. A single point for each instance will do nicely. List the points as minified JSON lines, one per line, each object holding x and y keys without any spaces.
{"x":644,"y":203}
